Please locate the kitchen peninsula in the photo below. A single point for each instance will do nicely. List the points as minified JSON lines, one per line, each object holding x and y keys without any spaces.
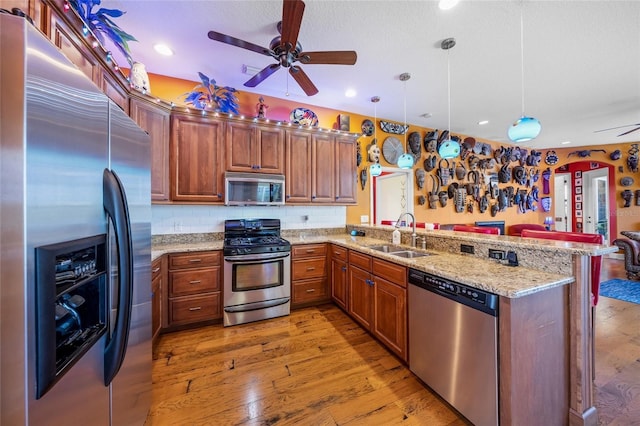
{"x":545,"y":321}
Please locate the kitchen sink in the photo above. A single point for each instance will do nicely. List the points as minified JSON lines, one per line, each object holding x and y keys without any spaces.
{"x":387,"y":248}
{"x":410,"y":254}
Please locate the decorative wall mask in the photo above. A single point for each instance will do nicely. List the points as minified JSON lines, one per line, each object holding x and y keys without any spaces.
{"x":444,"y":172}
{"x":431,"y":141}
{"x":421,"y":200}
{"x":451,"y":191}
{"x":420,"y":176}
{"x":358,"y":155}
{"x":363,"y":178}
{"x":461,"y":171}
{"x":637,"y":194}
{"x":483,"y":203}
{"x":546,"y":177}
{"x":551,"y":158}
{"x":585,"y":152}
{"x":415,"y":144}
{"x":374,"y":152}
{"x":433,"y":194}
{"x":460,"y":199}
{"x":546,"y":204}
{"x":430,"y":163}
{"x":627,"y":195}
{"x":626,"y":181}
{"x":615,"y":155}
{"x":443,"y":197}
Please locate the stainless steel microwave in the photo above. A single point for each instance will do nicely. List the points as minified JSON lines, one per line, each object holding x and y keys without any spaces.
{"x":258,"y":189}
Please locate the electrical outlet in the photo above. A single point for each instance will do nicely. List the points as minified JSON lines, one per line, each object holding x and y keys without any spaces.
{"x":497,"y":254}
{"x":465,"y":248}
{"x":364,"y":218}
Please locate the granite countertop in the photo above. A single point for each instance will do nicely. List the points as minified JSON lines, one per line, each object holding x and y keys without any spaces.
{"x":485,"y":274}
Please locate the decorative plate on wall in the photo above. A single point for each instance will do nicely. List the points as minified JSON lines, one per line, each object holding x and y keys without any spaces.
{"x":304,"y":117}
{"x":394,"y":128}
{"x":392,"y":149}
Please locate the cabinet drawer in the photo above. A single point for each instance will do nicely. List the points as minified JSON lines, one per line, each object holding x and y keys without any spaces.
{"x":156,"y":268}
{"x":309,"y":268}
{"x":395,"y":273}
{"x":309,"y":250}
{"x":310,"y":290}
{"x":194,"y":309}
{"x":194,"y":281}
{"x":360,"y":260}
{"x":339,"y":252}
{"x":194,"y":260}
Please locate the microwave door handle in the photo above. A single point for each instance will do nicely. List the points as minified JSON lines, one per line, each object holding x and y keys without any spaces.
{"x":115,"y":204}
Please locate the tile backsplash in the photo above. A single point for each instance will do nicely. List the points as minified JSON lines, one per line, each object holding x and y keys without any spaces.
{"x":188,"y":219}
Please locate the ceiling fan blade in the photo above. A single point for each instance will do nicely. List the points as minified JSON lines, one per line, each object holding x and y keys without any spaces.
{"x":303,"y":80}
{"x":262,"y":75}
{"x":292,"y":11}
{"x":238,"y":43}
{"x":338,"y":57}
{"x":630,"y":131}
{"x":617,"y":127}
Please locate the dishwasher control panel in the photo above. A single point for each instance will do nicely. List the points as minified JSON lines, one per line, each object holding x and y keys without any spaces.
{"x":479,"y":299}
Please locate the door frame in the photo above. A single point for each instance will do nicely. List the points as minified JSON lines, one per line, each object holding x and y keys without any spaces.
{"x":375,"y":197}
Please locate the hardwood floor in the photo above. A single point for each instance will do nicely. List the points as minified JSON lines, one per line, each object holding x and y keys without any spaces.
{"x":317,"y":367}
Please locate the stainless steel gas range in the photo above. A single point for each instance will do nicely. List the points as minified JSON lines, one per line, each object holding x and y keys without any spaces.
{"x":257,"y":271}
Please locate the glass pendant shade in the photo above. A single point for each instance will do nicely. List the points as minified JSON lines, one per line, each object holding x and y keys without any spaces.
{"x":405,"y":161}
{"x":525,"y":129}
{"x":375,"y":169}
{"x":449,"y":149}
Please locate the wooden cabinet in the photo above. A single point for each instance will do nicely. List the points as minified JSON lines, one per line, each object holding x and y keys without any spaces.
{"x":309,"y":274}
{"x":196,"y":159}
{"x":345,"y":169}
{"x":298,"y":167}
{"x":158,"y":280}
{"x":339,"y":276}
{"x":154,"y":119}
{"x":254,"y":148}
{"x":377,"y":299}
{"x":73,"y":48}
{"x":333,"y":169}
{"x":194,"y":293}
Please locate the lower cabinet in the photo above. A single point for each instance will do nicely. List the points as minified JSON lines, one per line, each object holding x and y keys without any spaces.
{"x":339,"y":276}
{"x":377,"y":299}
{"x":158,"y":280}
{"x":309,"y":274}
{"x":194,"y":293}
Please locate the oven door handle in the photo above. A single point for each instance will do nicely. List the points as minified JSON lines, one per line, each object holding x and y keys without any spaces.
{"x":252,"y":258}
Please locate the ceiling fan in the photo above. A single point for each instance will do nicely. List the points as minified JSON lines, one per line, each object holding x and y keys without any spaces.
{"x":286,"y":49}
{"x":621,"y":127}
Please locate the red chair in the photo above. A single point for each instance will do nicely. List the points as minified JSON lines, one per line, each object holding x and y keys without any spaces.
{"x":516,"y":230}
{"x":477,"y":229}
{"x":424,"y":225}
{"x":576,"y":237}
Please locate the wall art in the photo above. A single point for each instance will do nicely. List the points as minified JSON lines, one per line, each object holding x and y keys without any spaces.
{"x":578,"y":190}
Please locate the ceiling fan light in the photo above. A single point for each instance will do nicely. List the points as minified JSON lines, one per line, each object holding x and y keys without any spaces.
{"x":525,"y":129}
{"x":405,"y":161}
{"x":449,"y":149}
{"x":375,"y":169}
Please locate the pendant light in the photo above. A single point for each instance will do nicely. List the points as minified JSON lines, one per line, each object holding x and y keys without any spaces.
{"x":525,"y":128}
{"x":449,"y":148}
{"x":405,"y":161}
{"x":375,"y":169}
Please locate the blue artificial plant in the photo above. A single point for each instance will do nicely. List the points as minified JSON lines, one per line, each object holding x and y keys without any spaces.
{"x":219,"y":98}
{"x":101,"y":24}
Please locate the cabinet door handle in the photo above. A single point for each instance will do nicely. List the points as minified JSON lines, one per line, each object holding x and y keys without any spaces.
{"x":311,"y":268}
{"x":196,"y":308}
{"x":311,"y":290}
{"x":344,"y":268}
{"x":311,"y":251}
{"x":154,"y":270}
{"x":195,"y":282}
{"x":195,"y":260}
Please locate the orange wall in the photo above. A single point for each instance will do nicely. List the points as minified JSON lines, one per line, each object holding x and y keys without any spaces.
{"x":172,"y":90}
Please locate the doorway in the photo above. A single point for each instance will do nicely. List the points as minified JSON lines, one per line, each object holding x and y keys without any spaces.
{"x":596,"y":203}
{"x":391,"y":194}
{"x":563,"y":210}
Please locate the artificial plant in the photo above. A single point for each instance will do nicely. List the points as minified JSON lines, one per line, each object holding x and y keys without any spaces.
{"x":101,"y":24}
{"x":219,"y":98}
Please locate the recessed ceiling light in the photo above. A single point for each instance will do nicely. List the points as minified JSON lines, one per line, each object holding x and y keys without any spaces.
{"x":350,"y":93}
{"x":483,"y":122}
{"x":163,"y":49}
{"x":447,"y":4}
{"x":565,"y":143}
{"x":426,"y":115}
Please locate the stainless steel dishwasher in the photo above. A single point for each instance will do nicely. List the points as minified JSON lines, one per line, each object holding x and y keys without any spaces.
{"x":453,"y":344}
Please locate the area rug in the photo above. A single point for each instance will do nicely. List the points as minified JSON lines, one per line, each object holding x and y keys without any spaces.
{"x":626,"y":290}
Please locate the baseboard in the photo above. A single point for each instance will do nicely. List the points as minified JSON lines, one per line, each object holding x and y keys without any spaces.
{"x":619,"y":256}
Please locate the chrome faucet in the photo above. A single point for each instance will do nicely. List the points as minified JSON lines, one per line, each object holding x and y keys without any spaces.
{"x":414,"y":236}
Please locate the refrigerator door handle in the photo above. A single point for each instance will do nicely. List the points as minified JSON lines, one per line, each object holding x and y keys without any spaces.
{"x":115,"y":204}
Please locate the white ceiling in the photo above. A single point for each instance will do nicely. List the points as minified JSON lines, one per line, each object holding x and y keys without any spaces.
{"x":581,"y":59}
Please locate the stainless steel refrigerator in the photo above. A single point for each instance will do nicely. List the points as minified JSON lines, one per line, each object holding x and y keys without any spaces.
{"x":75,"y":237}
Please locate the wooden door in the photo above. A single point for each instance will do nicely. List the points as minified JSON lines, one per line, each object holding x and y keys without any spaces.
{"x":322,"y":168}
{"x":346,"y":170}
{"x":298,"y":167}
{"x":270,"y":150}
{"x":197,"y":149}
{"x":240,"y":147}
{"x":154,"y":119}
{"x":360,"y":296}
{"x":390,"y":317}
{"x":339,"y":278}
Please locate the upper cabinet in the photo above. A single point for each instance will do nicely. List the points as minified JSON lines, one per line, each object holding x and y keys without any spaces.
{"x":196,"y":159}
{"x":298,"y":167}
{"x":154,"y":119}
{"x":254,"y":148}
{"x":333,"y":168}
{"x":345,"y":169}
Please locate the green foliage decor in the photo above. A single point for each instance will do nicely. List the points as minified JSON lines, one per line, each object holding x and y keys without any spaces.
{"x":219,"y":98}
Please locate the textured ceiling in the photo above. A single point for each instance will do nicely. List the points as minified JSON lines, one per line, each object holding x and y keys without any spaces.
{"x":581,"y":59}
